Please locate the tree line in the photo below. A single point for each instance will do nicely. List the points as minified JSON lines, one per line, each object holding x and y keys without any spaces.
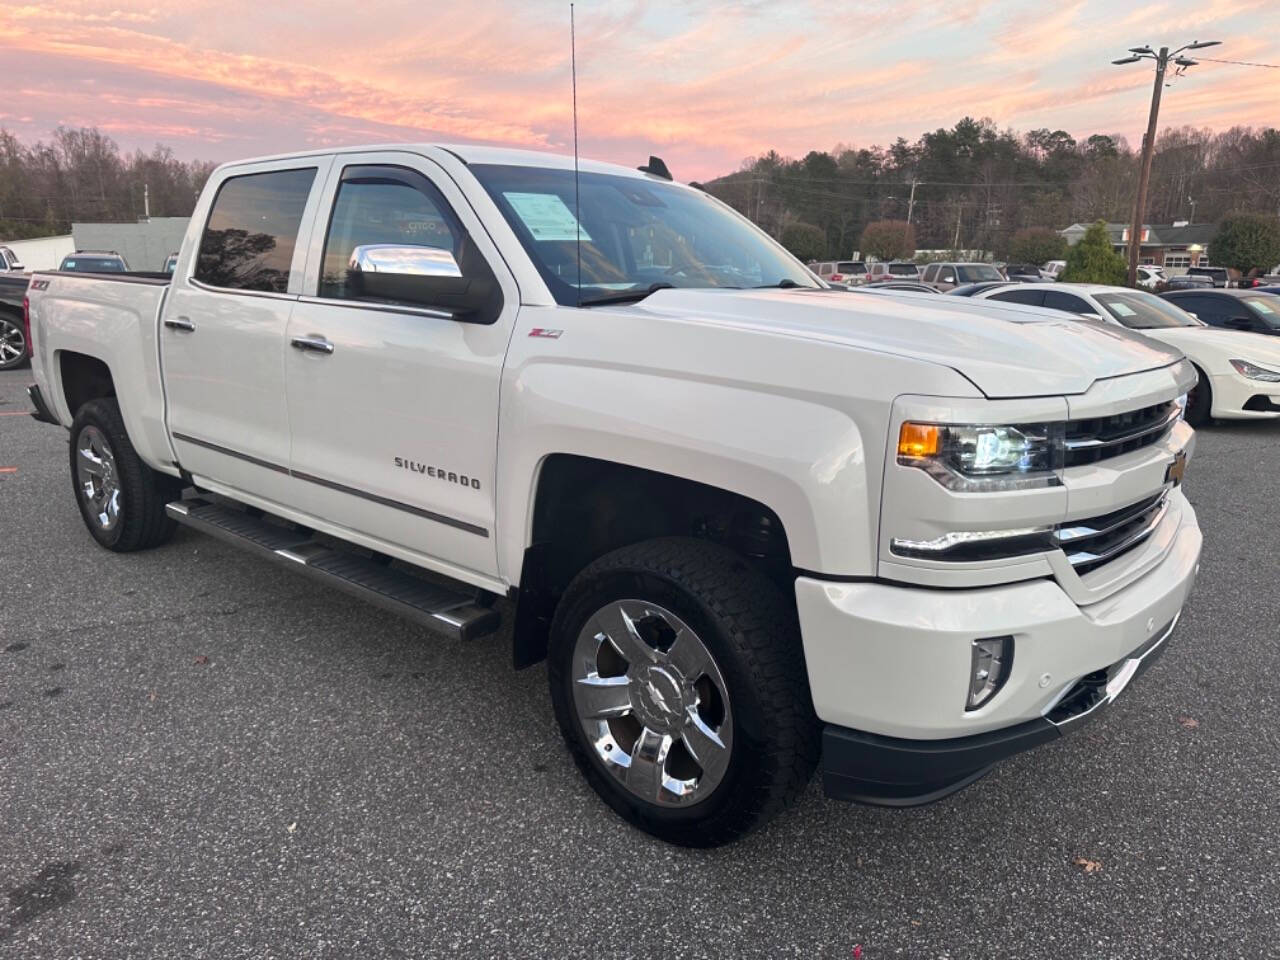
{"x":82,"y":175}
{"x":976,"y":186}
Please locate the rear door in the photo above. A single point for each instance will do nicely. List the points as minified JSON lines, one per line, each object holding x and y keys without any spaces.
{"x":223,"y":331}
{"x":393,"y":402}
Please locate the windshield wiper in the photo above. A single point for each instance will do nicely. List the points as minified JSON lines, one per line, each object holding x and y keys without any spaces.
{"x":626,"y":296}
{"x":786,"y":283}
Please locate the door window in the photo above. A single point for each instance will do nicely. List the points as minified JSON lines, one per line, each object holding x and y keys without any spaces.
{"x":252,"y":230}
{"x":1057,"y":300}
{"x":407,"y":221}
{"x":1032,"y":298}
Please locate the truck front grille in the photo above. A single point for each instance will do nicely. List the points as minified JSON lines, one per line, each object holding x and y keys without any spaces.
{"x":1100,"y":438}
{"x":1090,"y":543}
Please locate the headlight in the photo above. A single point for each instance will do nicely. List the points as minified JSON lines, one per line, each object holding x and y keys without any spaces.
{"x":982,"y":458}
{"x":1255,"y":372}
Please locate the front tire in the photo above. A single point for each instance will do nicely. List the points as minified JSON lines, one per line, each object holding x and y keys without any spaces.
{"x":678,"y":680}
{"x":1200,"y":401}
{"x":121,"y":499}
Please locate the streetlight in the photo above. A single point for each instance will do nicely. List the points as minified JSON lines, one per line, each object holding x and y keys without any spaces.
{"x":1149,"y":142}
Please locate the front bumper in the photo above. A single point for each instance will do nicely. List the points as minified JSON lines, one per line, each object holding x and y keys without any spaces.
{"x":1238,"y":397}
{"x":890,"y":771}
{"x":889,"y":667}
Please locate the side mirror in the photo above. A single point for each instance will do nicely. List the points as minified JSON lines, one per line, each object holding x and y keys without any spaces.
{"x":421,"y":276}
{"x":1094,"y":316}
{"x":947,"y":278}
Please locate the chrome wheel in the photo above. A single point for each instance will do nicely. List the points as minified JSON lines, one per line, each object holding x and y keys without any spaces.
{"x":13,"y":344}
{"x":97,"y":478}
{"x":652,"y":702}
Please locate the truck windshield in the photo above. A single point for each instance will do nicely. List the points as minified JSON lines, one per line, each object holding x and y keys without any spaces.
{"x":636,"y":235}
{"x":1142,"y":311}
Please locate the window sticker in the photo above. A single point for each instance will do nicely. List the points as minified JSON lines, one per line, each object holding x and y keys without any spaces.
{"x":546,"y":216}
{"x":1121,"y":309}
{"x":1261,"y":307}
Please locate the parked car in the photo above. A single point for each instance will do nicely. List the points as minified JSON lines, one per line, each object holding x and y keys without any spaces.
{"x":1218,"y":275}
{"x":1238,"y":374}
{"x":1275,"y":289}
{"x":746,"y":528}
{"x":841,"y":271}
{"x":945,"y":276}
{"x":1247,"y":310}
{"x":971,"y":289}
{"x":94,"y":261}
{"x":170,"y":263}
{"x":1184,"y":282}
{"x":9,"y":262}
{"x":1150,"y":277}
{"x":15,"y":343}
{"x":1022,"y":273}
{"x":1053,"y":269}
{"x":893,"y":270}
{"x":905,"y":286}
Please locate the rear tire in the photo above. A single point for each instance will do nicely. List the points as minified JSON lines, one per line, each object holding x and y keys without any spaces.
{"x":1200,"y":401}
{"x":14,"y":350}
{"x":121,"y":499}
{"x":696,"y":744}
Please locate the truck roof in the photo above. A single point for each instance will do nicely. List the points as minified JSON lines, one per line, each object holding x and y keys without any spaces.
{"x":467,"y":153}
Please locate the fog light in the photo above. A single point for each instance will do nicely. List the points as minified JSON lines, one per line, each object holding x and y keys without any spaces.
{"x":991,"y":662}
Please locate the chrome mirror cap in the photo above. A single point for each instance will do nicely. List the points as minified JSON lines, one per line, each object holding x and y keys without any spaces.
{"x":404,"y":260}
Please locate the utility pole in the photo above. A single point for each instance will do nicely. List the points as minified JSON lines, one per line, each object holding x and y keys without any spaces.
{"x":955,"y":244}
{"x":1149,"y":141}
{"x":1148,"y":151}
{"x":146,"y":201}
{"x":1192,"y":218}
{"x":911,"y":202}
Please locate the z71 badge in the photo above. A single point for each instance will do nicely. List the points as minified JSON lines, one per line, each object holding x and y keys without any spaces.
{"x":438,"y":473}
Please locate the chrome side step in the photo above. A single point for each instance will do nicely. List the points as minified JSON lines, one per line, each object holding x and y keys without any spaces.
{"x":455,"y":612}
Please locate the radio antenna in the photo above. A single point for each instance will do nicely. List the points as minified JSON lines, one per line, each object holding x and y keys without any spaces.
{"x":577,"y":205}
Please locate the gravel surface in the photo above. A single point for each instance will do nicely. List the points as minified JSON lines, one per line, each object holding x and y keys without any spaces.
{"x":202,"y":755}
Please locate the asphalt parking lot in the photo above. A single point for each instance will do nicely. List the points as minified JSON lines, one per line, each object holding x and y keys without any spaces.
{"x":202,"y":755}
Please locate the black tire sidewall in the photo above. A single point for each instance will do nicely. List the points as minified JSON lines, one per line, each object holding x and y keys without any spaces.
{"x":725,"y":813}
{"x":142,"y":491}
{"x":1200,"y":408}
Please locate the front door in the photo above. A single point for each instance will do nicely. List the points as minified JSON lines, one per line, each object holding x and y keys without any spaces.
{"x":222,"y":340}
{"x":393,"y":402}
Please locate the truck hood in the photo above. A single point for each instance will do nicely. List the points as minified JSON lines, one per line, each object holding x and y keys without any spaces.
{"x":1005,"y":350}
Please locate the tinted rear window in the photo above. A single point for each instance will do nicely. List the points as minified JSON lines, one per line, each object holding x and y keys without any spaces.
{"x":252,"y":230}
{"x":80,"y":264}
{"x":851,"y":266}
{"x":904,"y":270}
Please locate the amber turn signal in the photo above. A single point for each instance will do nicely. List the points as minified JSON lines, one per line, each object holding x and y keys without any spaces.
{"x":918,"y":440}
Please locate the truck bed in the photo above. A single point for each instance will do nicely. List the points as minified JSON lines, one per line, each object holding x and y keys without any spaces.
{"x":113,"y":318}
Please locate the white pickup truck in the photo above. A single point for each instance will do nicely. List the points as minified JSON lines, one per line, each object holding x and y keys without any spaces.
{"x":750,"y":522}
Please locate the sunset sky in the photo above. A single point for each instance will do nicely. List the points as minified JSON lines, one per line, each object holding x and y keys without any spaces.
{"x":703,"y":84}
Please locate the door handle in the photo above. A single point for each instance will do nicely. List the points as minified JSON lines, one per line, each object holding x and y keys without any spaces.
{"x":180,"y":323}
{"x":312,"y":342}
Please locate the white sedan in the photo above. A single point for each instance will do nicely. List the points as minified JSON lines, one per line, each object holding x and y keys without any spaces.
{"x":1239,"y":371}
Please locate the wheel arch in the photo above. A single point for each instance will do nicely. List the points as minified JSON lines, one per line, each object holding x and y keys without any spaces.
{"x":584,"y":507}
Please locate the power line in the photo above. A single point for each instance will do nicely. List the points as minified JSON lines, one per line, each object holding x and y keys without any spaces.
{"x":1242,"y":63}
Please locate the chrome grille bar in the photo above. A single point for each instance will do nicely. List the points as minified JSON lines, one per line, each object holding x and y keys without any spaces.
{"x":1091,"y":544}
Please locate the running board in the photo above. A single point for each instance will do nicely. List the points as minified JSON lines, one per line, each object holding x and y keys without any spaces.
{"x":454,"y":612}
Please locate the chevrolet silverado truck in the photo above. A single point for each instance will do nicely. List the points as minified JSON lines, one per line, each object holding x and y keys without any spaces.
{"x":752,"y":524}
